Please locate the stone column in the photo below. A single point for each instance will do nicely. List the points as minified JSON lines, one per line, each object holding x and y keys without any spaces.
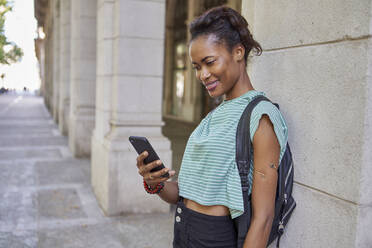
{"x":315,"y":65}
{"x":56,"y":60}
{"x":192,"y":86}
{"x":130,"y":45}
{"x":48,"y":97}
{"x":168,"y":58}
{"x":83,"y":75}
{"x":64,"y":56}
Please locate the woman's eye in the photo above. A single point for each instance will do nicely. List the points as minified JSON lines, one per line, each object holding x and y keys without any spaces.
{"x":210,"y":62}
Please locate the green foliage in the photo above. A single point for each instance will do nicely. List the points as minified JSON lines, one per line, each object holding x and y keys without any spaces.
{"x":9,"y":51}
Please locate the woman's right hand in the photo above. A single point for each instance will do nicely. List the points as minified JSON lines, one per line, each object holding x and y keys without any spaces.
{"x":152,"y":178}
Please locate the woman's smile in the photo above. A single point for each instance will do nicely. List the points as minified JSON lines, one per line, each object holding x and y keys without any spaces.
{"x":212,"y":85}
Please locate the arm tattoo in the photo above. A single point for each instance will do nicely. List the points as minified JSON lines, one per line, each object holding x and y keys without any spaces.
{"x":260,"y":173}
{"x":273,"y":166}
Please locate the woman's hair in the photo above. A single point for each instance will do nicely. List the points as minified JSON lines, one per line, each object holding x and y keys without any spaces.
{"x":228,"y":26}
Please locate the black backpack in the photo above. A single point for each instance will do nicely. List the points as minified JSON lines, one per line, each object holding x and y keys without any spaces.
{"x":284,"y":202}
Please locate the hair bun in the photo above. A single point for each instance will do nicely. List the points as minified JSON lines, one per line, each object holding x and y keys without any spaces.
{"x":228,"y":26}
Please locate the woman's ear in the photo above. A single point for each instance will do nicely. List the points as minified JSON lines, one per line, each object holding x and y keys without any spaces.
{"x":238,"y":53}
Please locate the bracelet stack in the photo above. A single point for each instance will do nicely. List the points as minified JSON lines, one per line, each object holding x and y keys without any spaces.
{"x":155,"y":190}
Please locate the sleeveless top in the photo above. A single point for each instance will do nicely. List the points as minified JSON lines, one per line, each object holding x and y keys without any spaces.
{"x":209,"y":174}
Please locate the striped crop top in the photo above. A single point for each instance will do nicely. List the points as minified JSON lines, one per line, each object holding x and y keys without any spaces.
{"x":209,"y":174}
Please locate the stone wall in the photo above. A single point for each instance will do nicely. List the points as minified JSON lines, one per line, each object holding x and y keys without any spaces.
{"x":315,"y":65}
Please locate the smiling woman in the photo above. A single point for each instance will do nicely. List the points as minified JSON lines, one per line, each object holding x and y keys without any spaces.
{"x":208,"y":193}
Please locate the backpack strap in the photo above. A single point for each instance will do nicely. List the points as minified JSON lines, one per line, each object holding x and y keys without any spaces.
{"x":243,"y":141}
{"x":243,"y":155}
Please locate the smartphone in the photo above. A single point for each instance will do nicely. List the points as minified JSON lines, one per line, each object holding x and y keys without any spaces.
{"x":141,"y":144}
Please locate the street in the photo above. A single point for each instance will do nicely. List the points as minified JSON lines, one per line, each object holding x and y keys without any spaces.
{"x":46,"y":199}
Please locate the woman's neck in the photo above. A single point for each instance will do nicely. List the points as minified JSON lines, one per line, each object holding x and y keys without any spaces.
{"x":241,"y":86}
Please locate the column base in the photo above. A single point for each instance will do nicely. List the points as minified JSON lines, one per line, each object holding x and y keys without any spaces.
{"x":80,"y":133}
{"x":63,"y":117}
{"x":55,"y":115}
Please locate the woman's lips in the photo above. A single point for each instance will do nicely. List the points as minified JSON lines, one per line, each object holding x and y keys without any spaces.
{"x":211,"y":86}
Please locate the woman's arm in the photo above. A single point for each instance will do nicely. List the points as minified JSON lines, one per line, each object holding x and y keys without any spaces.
{"x":170,"y":191}
{"x":266,"y":152}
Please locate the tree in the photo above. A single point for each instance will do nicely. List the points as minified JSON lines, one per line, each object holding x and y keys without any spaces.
{"x":9,"y":51}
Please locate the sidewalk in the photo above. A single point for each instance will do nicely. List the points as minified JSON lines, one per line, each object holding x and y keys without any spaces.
{"x":46,"y":198}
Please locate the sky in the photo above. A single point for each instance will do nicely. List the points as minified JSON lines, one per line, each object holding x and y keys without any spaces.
{"x":20,"y":27}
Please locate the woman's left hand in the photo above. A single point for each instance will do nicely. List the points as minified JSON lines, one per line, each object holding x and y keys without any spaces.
{"x":152,"y":178}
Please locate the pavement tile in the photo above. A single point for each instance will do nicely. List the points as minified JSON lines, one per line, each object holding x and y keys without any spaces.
{"x":38,"y":141}
{"x":38,"y":134}
{"x":146,"y":230}
{"x":19,"y":174}
{"x":26,"y":122}
{"x":63,"y":172}
{"x":81,"y":236}
{"x":18,"y":208}
{"x":59,"y":204}
{"x":25,"y":130}
{"x":16,"y":117}
{"x":135,"y":231}
{"x":18,"y":239}
{"x":29,"y":154}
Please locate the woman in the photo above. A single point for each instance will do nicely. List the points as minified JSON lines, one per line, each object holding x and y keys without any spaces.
{"x":208,"y":192}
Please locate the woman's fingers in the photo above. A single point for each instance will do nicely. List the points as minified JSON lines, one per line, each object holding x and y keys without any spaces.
{"x":155,"y":180}
{"x":145,"y":170}
{"x":148,"y":167}
{"x":152,"y":179}
{"x":140,"y":159}
{"x":157,"y":176}
{"x":159,"y":173}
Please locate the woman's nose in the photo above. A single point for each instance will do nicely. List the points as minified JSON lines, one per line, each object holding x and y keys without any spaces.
{"x":205,"y":74}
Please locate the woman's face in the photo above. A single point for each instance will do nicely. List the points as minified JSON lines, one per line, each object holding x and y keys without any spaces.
{"x":214,"y":65}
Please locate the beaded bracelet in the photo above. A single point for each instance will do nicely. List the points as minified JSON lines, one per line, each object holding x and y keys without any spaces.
{"x":155,"y":190}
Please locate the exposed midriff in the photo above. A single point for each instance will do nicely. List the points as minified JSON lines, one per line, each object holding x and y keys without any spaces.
{"x":215,"y":210}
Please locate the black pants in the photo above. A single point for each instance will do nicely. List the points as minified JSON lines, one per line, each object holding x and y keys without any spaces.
{"x":197,"y":230}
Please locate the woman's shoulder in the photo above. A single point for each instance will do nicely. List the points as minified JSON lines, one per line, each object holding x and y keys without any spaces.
{"x":270,"y":109}
{"x":266,"y":106}
{"x":275,"y":116}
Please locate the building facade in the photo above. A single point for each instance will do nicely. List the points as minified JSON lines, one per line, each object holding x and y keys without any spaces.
{"x":115,"y":68}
